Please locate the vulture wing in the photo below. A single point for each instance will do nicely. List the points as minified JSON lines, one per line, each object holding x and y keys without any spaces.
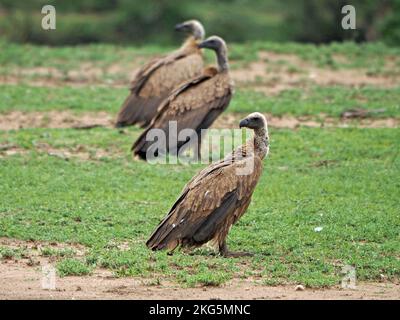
{"x":195,"y":105}
{"x":210,"y":203}
{"x":154,"y":82}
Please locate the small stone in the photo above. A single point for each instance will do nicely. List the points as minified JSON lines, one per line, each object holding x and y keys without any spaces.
{"x":299,"y":288}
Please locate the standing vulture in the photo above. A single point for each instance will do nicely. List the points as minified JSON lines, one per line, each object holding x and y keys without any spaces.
{"x":194,"y":105}
{"x":155,"y":81}
{"x":216,"y":197}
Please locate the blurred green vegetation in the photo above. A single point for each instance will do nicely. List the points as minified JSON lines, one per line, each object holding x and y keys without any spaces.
{"x":136,"y":21}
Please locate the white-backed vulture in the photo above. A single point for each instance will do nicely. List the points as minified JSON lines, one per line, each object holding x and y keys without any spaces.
{"x":156,"y":80}
{"x":216,"y":197}
{"x":194,"y":105}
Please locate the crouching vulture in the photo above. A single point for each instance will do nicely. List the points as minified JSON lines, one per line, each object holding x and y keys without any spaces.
{"x":155,"y":80}
{"x":194,"y":105}
{"x":216,"y":197}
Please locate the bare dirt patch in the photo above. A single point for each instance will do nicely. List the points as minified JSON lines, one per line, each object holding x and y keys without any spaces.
{"x":231,"y":120}
{"x":10,"y":149}
{"x":16,"y":120}
{"x":37,"y":253}
{"x":88,"y":73}
{"x":80,"y":152}
{"x":54,"y":119}
{"x":34,"y":246}
{"x":65,"y":119}
{"x":19,"y":281}
{"x":55,"y":82}
{"x":274,"y":73}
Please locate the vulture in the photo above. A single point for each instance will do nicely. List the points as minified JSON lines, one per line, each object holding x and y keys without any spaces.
{"x":216,"y":198}
{"x":155,"y":80}
{"x":193,"y":105}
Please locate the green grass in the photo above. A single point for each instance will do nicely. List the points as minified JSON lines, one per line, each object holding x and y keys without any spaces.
{"x":72,"y":267}
{"x":355,"y":55}
{"x":102,"y":204}
{"x":7,"y":253}
{"x":89,"y":140}
{"x":71,"y":57}
{"x":346,"y":181}
{"x":53,"y":252}
{"x":330,"y":100}
{"x":28,"y":98}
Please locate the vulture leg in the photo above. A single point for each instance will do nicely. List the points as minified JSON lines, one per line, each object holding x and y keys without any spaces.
{"x":198,"y":149}
{"x":223,"y":250}
{"x":206,"y":123}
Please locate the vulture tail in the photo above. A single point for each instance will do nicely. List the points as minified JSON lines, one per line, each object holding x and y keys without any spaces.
{"x":141,"y":154}
{"x":193,"y":234}
{"x":137,"y":110}
{"x":139,"y":148}
{"x":159,"y":239}
{"x":129,"y":113}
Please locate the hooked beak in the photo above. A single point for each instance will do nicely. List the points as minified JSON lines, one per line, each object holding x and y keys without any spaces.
{"x":244,"y":123}
{"x":180,"y":27}
{"x":203,"y":44}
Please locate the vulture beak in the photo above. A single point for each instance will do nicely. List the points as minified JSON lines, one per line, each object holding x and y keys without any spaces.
{"x":180,"y":27}
{"x":203,"y":44}
{"x":244,"y":123}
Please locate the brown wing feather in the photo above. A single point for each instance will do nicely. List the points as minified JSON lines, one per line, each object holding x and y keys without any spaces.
{"x":210,"y":203}
{"x":154,"y":82}
{"x":195,"y":105}
{"x":140,"y":142}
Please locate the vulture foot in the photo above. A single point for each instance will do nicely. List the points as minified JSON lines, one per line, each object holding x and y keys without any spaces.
{"x":223,"y":250}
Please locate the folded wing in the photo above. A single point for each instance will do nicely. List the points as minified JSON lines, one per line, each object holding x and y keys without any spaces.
{"x":194,"y":105}
{"x":209,"y":204}
{"x":154,"y":82}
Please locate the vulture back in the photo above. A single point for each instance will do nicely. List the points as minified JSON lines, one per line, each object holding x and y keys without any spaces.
{"x":155,"y":81}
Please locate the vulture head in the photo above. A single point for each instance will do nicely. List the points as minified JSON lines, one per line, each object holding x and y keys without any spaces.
{"x":258,"y":123}
{"x":254,"y":121}
{"x":192,"y":27}
{"x":219,"y":46}
{"x":215,"y":43}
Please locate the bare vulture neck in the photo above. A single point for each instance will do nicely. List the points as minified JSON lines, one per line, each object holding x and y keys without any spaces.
{"x":189,"y":45}
{"x":222,"y":58}
{"x":261,"y":142}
